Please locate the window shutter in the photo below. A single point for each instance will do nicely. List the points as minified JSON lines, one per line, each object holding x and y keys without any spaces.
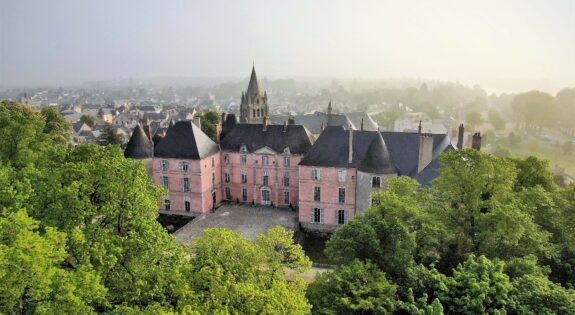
{"x":321,"y":220}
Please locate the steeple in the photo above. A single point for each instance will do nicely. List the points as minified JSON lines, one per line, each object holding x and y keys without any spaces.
{"x":253,"y":86}
{"x":329,"y":108}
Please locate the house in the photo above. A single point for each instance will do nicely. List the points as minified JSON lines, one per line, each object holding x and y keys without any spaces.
{"x":187,"y":163}
{"x":260,"y":162}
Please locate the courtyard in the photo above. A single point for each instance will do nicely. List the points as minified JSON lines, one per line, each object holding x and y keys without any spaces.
{"x":248,"y":220}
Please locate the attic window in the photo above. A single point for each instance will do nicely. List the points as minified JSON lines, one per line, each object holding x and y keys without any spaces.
{"x":376,"y":182}
{"x":243,"y":149}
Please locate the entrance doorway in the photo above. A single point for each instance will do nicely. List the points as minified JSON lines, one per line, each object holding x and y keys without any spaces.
{"x":266,"y":200}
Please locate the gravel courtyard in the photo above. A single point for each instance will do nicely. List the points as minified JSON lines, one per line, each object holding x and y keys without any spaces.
{"x":248,"y":220}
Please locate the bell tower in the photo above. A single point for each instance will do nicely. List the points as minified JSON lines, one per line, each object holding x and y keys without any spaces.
{"x":254,"y":103}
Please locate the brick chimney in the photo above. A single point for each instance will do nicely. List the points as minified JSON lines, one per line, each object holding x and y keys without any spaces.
{"x":322,"y":127}
{"x":265,"y":123}
{"x":476,"y":141}
{"x":291,"y":120}
{"x":285,"y":125}
{"x":362,"y":124}
{"x":460,"y":134}
{"x":425,"y":150}
{"x":218,"y":131}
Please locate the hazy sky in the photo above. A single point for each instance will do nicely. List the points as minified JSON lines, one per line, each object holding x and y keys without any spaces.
{"x":70,"y":41}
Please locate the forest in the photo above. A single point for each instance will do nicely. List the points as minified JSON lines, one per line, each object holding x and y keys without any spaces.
{"x":78,"y":235}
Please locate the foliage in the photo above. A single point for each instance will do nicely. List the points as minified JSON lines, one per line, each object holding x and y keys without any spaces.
{"x":495,"y":119}
{"x":473,"y":118}
{"x":208,"y":120}
{"x":56,"y":126}
{"x":87,"y":119}
{"x":535,"y":109}
{"x":110,"y":136}
{"x":356,"y":288}
{"x":229,"y":274}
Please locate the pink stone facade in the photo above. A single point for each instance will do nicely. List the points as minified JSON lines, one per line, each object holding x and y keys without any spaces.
{"x":329,"y":181}
{"x":263,"y":177}
{"x":193,"y":189}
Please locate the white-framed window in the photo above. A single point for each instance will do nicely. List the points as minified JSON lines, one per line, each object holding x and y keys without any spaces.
{"x":317,"y":215}
{"x":166,"y":182}
{"x":243,"y":149}
{"x":185,"y":184}
{"x":243,"y":159}
{"x":286,"y":179}
{"x":341,"y":217}
{"x":226,"y":158}
{"x":287,"y":160}
{"x":317,"y":193}
{"x":244,"y":178}
{"x":376,"y":182}
{"x":184,"y":166}
{"x":167,"y":204}
{"x":187,"y":204}
{"x":341,"y":195}
{"x":265,"y":160}
{"x":286,"y":197}
{"x":316,"y":173}
{"x":266,"y":179}
{"x":228,"y":193}
{"x":226,"y":176}
{"x":164,"y":165}
{"x":244,"y":194}
{"x":342,"y":174}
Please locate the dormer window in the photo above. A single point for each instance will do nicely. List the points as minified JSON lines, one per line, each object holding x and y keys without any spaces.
{"x":164,"y":165}
{"x":376,"y":182}
{"x":265,"y":160}
{"x":184,"y":166}
{"x":243,"y":149}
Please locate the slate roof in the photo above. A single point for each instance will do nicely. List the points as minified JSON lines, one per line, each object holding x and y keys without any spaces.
{"x":185,"y":141}
{"x":139,"y":146}
{"x":368,"y":123}
{"x":399,"y":152}
{"x":296,"y":137}
{"x":314,"y":121}
{"x":253,"y":86}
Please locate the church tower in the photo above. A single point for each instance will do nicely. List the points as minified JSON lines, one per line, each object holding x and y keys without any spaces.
{"x":254,"y":104}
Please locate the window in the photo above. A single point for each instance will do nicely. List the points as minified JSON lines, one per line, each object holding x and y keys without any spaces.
{"x":243,"y":149}
{"x":376,"y":182}
{"x":341,"y":195}
{"x":286,"y":160}
{"x":187,"y":204}
{"x":228,"y":193}
{"x":254,"y":112}
{"x":265,"y":197}
{"x":317,"y":193}
{"x":316,"y":173}
{"x":213,"y":179}
{"x":244,"y":194}
{"x":243,"y":159}
{"x":164,"y":165}
{"x":266,"y":179}
{"x":265,"y":160}
{"x":286,"y":197}
{"x":317,"y":215}
{"x":342,"y":174}
{"x":213,"y":162}
{"x":227,"y":158}
{"x":244,"y":177}
{"x":286,"y":179}
{"x":185,"y":184}
{"x":166,"y":182}
{"x":226,"y":176}
{"x":184,"y":166}
{"x":341,"y":217}
{"x":167,"y":204}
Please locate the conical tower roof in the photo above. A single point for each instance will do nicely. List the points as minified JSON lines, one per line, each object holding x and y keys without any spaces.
{"x":253,"y":86}
{"x":139,"y":146}
{"x":377,"y":159}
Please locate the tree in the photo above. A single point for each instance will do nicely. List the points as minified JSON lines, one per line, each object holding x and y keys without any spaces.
{"x":566,"y":103}
{"x":209,"y":119}
{"x":357,"y":288}
{"x":110,"y":136}
{"x":56,"y":126}
{"x":88,"y":120}
{"x":478,"y":286}
{"x":495,"y":119}
{"x":535,"y":108}
{"x":229,"y":274}
{"x":532,"y":172}
{"x":474,"y":118}
{"x":568,"y":147}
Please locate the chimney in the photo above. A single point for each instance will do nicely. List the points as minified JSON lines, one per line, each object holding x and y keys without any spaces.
{"x":350,"y":156}
{"x":197,"y":122}
{"x":362,"y":124}
{"x":291,"y":120}
{"x":425,"y":150}
{"x":322,"y":127}
{"x":419,"y":127}
{"x":223,"y":119}
{"x":460,"y":136}
{"x":285,"y":125}
{"x":476,"y":141}
{"x":265,"y":123}
{"x":218,"y":131}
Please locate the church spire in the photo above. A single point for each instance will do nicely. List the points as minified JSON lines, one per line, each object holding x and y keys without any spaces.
{"x":329,"y":108}
{"x":253,"y":86}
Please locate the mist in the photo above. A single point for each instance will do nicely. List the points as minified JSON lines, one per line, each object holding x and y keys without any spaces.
{"x":502,"y":46}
